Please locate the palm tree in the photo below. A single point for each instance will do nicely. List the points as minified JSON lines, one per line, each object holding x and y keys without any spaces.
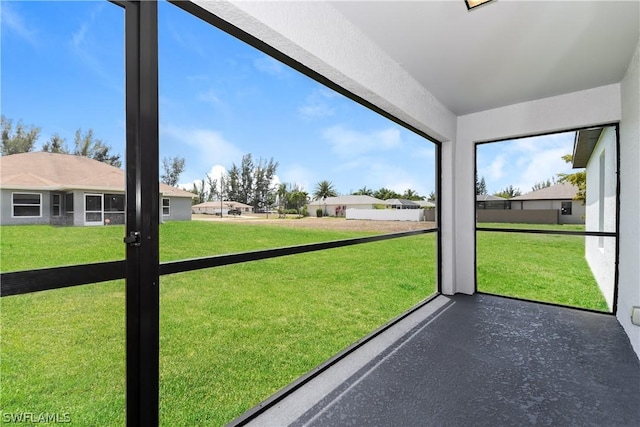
{"x":298,"y":198}
{"x":410,"y":194}
{"x":364,"y":191}
{"x":324,"y":189}
{"x":282,"y":195}
{"x":386,"y":194}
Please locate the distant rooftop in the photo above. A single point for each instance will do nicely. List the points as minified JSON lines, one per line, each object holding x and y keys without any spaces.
{"x":44,"y":171}
{"x":349,"y":200}
{"x":489,"y":198}
{"x":564,"y":191}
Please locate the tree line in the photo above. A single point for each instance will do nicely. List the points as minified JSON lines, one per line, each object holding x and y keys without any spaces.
{"x":250,"y":183}
{"x":23,"y":138}
{"x":386,"y":194}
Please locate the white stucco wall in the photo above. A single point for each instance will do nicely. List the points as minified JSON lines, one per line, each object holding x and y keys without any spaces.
{"x":601,"y":251}
{"x":629,"y":267}
{"x":574,"y":110}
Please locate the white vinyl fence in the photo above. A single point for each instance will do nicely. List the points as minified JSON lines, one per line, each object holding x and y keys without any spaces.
{"x":386,"y":214}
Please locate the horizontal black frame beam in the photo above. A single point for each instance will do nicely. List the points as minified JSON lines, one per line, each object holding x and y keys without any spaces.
{"x":536,"y":231}
{"x":44,"y":279}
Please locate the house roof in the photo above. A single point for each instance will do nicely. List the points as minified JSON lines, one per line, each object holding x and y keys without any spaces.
{"x":348,"y":200}
{"x":583,"y":146}
{"x":489,"y":198}
{"x":402,"y":202}
{"x":425,"y":203}
{"x":65,"y":172}
{"x":564,"y":191}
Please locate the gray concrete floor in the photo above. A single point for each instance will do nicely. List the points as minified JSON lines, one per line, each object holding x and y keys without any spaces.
{"x":478,"y":360}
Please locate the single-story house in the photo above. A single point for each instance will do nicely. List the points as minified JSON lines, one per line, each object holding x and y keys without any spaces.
{"x":216,"y":206}
{"x":337,"y":206}
{"x":401,"y":204}
{"x":63,"y":189}
{"x":595,"y":150}
{"x":425,"y":204}
{"x":558,"y":198}
{"x":487,"y":201}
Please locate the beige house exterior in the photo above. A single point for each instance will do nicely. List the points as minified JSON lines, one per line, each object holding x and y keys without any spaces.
{"x":556,"y":198}
{"x":337,"y":206}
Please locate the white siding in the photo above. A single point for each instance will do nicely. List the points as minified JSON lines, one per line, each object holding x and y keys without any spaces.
{"x":629,"y":268}
{"x":601,"y":212}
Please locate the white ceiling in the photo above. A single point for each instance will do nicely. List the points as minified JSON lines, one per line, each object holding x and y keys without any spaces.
{"x":504,"y":52}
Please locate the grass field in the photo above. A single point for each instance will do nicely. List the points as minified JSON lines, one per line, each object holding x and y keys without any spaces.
{"x":548,"y":268}
{"x":231,"y":336}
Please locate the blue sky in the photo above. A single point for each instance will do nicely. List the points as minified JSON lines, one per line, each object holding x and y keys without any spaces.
{"x":523,"y":162}
{"x":63,"y":69}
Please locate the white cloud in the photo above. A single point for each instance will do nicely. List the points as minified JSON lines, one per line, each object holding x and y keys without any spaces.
{"x":524,"y":162}
{"x":542,"y":166}
{"x":297,"y":175}
{"x":16,"y":23}
{"x":348,"y":143}
{"x":186,"y":39}
{"x":215,"y":173}
{"x":427,"y":153}
{"x":79,"y":36}
{"x":395,"y":178}
{"x":495,"y":171}
{"x":268,"y":65}
{"x":89,"y":51}
{"x":220,"y":106}
{"x":209,"y":96}
{"x":211,"y":146}
{"x":317,"y":104}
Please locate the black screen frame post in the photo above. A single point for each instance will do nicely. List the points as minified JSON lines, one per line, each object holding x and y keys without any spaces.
{"x":142,"y":234}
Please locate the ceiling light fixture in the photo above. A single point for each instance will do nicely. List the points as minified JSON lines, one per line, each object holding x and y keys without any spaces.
{"x":472,"y":4}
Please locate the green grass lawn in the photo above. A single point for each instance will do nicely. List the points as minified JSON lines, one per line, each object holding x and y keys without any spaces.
{"x":230,"y":336}
{"x":233,"y":335}
{"x":548,"y":268}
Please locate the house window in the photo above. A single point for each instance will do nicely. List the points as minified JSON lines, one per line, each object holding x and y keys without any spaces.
{"x":114,"y":203}
{"x":166,"y":207}
{"x":68,"y":203}
{"x":55,"y":205}
{"x":601,"y":191}
{"x":26,"y":204}
{"x":566,"y":208}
